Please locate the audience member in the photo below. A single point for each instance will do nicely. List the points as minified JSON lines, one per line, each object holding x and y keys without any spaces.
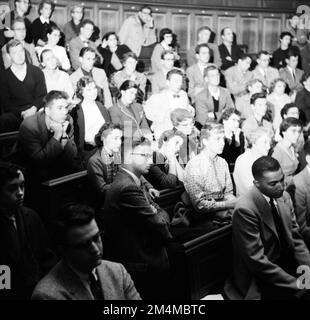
{"x":284,"y":151}
{"x":82,"y":41}
{"x":299,"y":35}
{"x":303,"y":99}
{"x":72,"y":28}
{"x":82,"y":274}
{"x":24,"y":245}
{"x":305,"y":55}
{"x":87,"y":61}
{"x":112,"y":53}
{"x":159,"y":106}
{"x":138,"y":31}
{"x":22,"y":88}
{"x":211,"y":102}
{"x":19,"y":33}
{"x":88,"y":117}
{"x":55,"y":79}
{"x":203,"y":37}
{"x":234,"y":137}
{"x":229,"y":52}
{"x":258,"y":142}
{"x":207,"y":179}
{"x":267,"y":245}
{"x":195,"y":72}
{"x":136,"y":228}
{"x":279,"y":55}
{"x":263,"y":71}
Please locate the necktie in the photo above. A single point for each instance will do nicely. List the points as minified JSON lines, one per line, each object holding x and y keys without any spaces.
{"x":294,"y":76}
{"x":95,"y":287}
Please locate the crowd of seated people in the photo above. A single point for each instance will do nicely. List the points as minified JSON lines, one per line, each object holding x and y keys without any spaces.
{"x":235,"y":140}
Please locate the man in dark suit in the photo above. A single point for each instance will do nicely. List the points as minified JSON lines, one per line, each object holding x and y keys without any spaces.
{"x":24,"y":246}
{"x":229,"y":52}
{"x":266,"y":241}
{"x":82,"y":274}
{"x":136,"y":229}
{"x":302,"y":197}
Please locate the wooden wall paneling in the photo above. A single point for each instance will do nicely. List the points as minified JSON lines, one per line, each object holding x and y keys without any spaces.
{"x":108,"y":20}
{"x":226,"y":20}
{"x":181,"y":27}
{"x":249,"y":32}
{"x":271,"y":32}
{"x":202,"y":19}
{"x":60,"y":15}
{"x":89,"y":13}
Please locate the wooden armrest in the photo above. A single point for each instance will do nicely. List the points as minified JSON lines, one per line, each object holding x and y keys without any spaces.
{"x":65,"y":179}
{"x":9,"y":135}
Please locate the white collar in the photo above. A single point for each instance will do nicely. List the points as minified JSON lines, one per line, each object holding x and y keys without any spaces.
{"x":43,"y":20}
{"x":135,"y":178}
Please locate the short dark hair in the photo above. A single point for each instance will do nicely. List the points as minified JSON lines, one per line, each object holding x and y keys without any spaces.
{"x":108,"y":34}
{"x":305,"y":77}
{"x":284,"y":34}
{"x":228,"y":112}
{"x":223,"y":30}
{"x":129,"y":144}
{"x":85,"y":22}
{"x":286,"y":107}
{"x":289,"y":122}
{"x":128,"y":55}
{"x":128,"y":84}
{"x":174,"y":71}
{"x":8,"y":172}
{"x":292,"y":52}
{"x":167,"y":135}
{"x":71,"y":216}
{"x":42,"y":3}
{"x":244,"y":56}
{"x":81,"y":84}
{"x":256,"y":96}
{"x":54,"y":95}
{"x":146,"y":7}
{"x":85,"y":50}
{"x":209,"y":68}
{"x":264,"y":164}
{"x":104,"y":131}
{"x":50,"y":29}
{"x":12,"y":44}
{"x":307,"y":148}
{"x":263,"y":52}
{"x":201,"y":45}
{"x":163,"y":32}
{"x":165,"y":52}
{"x":203,"y":28}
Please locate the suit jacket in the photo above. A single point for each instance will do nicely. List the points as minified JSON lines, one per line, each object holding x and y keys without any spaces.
{"x":195,"y":80}
{"x":224,"y":53}
{"x":136,"y":229}
{"x":75,"y":46}
{"x":302,"y":203}
{"x":236,"y":80}
{"x":62,"y":283}
{"x":79,"y":124}
{"x":256,"y":246}
{"x":302,"y":101}
{"x":131,"y":122}
{"x":134,"y":35}
{"x":101,"y":81}
{"x":216,"y":58}
{"x":41,"y":153}
{"x":294,"y":84}
{"x":271,"y":75}
{"x":204,"y":104}
{"x":305,"y":58}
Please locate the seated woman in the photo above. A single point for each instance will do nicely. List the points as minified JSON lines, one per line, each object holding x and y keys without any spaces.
{"x":183,"y":123}
{"x":105,"y":162}
{"x":55,"y":79}
{"x":165,"y":43}
{"x":259,"y":145}
{"x":129,"y":73}
{"x":53,"y":35}
{"x":112,"y":53}
{"x":234,"y":137}
{"x":88,"y":117}
{"x":166,"y":172}
{"x":129,"y":114}
{"x":284,"y":151}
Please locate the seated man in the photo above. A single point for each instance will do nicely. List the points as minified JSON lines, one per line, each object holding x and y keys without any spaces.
{"x":211,"y":101}
{"x":302,"y":100}
{"x":263,"y":71}
{"x":259,"y":107}
{"x":82,"y":274}
{"x":45,"y":140}
{"x":22,"y":88}
{"x":136,"y":228}
{"x":159,"y":106}
{"x":195,"y":72}
{"x":24,"y":246}
{"x":238,"y":76}
{"x":207,"y":179}
{"x":267,"y":245}
{"x":302,"y":200}
{"x":82,"y":41}
{"x":87,"y":58}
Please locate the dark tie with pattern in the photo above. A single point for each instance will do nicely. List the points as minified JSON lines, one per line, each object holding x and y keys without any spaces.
{"x":95,"y":287}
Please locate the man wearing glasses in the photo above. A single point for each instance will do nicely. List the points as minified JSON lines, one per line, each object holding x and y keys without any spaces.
{"x":138,"y":32}
{"x":136,"y":228}
{"x":82,"y":274}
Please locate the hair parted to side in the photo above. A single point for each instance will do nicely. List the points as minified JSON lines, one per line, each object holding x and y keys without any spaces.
{"x":12,"y":44}
{"x":209,"y":127}
{"x":54,"y":95}
{"x":178,"y":115}
{"x":8,"y":172}
{"x":42,"y":3}
{"x":264,"y":164}
{"x":104,"y":131}
{"x":289,"y":122}
{"x":81,"y":84}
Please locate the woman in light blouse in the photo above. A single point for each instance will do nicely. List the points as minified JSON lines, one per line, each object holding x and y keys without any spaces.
{"x":284,"y":151}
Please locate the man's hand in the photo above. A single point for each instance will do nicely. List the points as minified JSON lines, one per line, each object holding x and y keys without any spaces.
{"x":29,"y":112}
{"x":153,"y":193}
{"x":57,"y":129}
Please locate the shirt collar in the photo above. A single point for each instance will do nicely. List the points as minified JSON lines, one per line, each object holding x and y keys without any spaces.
{"x":135,"y":178}
{"x":43,"y":20}
{"x":84,"y":277}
